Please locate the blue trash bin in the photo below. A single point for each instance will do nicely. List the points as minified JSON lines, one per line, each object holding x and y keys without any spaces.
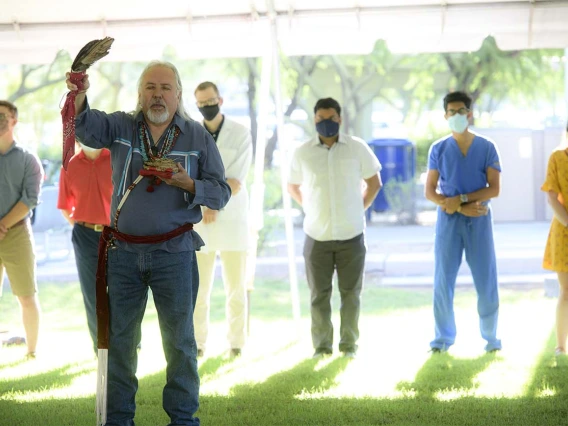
{"x":398,"y":158}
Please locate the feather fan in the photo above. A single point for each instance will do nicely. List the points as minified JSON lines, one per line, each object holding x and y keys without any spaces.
{"x":90,"y":53}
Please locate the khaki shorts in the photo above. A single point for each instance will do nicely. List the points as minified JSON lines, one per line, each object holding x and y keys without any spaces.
{"x":18,"y":258}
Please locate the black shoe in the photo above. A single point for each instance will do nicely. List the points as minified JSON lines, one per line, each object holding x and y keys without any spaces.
{"x":321,"y":352}
{"x":235,"y":352}
{"x":437,"y":350}
{"x":199,"y":353}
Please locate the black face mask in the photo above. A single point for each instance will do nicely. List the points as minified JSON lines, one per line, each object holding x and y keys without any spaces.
{"x":327,"y":128}
{"x":209,"y":112}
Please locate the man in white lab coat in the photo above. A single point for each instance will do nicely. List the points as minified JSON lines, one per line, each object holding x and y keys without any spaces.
{"x":227,"y":231}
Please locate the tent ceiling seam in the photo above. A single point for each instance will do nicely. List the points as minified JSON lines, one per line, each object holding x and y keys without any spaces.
{"x":295,"y":13}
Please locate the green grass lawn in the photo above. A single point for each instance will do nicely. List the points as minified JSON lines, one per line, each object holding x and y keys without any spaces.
{"x":393,"y":381}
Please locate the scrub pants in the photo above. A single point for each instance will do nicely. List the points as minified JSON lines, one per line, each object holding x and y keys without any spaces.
{"x":454,"y":234}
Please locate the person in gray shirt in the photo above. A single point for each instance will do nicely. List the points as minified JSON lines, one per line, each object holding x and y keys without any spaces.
{"x":20,"y":181}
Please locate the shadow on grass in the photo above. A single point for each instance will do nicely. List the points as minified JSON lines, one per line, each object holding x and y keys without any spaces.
{"x":12,"y":364}
{"x":52,"y":379}
{"x":304,"y":377}
{"x":291,"y":397}
{"x":211,"y":365}
{"x":294,"y":397}
{"x":31,"y":401}
{"x":550,"y":374}
{"x":49,"y":412}
{"x":442,"y":372}
{"x":277,"y":394}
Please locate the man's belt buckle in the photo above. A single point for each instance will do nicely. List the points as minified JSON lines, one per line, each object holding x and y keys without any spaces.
{"x":98,"y":228}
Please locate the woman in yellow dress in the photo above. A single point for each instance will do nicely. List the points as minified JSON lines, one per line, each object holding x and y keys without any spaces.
{"x":556,"y":252}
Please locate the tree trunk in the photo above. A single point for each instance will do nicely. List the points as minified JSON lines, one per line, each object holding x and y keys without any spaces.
{"x":304,"y":72}
{"x":252,"y":79}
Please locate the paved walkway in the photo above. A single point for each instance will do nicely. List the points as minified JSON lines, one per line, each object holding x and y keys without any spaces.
{"x":404,"y":255}
{"x":397,"y":255}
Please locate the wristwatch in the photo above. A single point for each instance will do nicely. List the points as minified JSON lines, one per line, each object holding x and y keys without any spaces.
{"x":463,"y":198}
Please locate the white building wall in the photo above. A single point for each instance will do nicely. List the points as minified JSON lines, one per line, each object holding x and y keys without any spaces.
{"x":524,"y":156}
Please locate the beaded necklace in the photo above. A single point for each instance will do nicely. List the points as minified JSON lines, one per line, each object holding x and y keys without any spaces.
{"x":150,"y":153}
{"x":146,"y":149}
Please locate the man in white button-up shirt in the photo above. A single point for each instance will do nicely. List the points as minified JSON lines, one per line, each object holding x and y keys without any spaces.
{"x":225,"y":231}
{"x":326,"y":175}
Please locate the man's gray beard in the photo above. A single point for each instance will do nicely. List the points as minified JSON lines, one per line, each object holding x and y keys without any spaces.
{"x":158,"y":118}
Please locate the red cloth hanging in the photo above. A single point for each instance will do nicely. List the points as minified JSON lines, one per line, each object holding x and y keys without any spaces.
{"x":68,"y":118}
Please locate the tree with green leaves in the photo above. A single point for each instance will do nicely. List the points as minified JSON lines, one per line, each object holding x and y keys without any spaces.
{"x":491,"y":75}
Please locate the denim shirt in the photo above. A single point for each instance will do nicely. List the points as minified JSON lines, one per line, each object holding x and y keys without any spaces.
{"x":167,"y":207}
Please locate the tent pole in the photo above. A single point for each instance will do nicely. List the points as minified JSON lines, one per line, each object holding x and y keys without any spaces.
{"x":283,"y":145}
{"x":256,"y":208}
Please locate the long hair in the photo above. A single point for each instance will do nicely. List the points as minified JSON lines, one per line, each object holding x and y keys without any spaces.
{"x":181,"y":108}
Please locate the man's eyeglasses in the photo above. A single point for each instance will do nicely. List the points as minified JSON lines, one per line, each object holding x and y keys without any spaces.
{"x":4,"y":116}
{"x":461,"y":111}
{"x":208,"y":102}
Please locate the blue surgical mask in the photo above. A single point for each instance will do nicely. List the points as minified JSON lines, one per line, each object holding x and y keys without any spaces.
{"x":327,"y":128}
{"x":458,"y":123}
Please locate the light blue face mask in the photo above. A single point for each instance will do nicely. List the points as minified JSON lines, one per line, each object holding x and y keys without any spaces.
{"x":458,"y":123}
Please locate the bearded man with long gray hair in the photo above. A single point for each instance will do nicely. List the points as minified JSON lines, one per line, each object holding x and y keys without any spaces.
{"x":150,"y":242}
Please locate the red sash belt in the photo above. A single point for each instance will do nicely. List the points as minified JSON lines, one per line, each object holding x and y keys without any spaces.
{"x":107,"y":236}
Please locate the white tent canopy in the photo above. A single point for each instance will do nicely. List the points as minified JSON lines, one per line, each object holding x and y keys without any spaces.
{"x":31,"y":31}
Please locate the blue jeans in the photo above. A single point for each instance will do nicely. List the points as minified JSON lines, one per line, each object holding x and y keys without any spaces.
{"x":455,"y":234}
{"x":85,"y":244}
{"x":174,"y":280}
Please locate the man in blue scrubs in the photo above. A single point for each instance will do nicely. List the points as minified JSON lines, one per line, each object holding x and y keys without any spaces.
{"x":466,"y":168}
